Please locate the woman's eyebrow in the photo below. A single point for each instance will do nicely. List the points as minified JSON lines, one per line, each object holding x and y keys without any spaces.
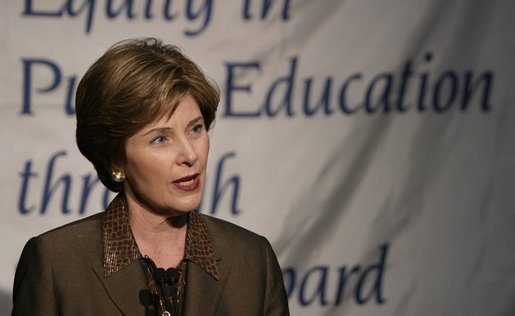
{"x":163,"y":129}
{"x":195,"y":120}
{"x":167,"y":129}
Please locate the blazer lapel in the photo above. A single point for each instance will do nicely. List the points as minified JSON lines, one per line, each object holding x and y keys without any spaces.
{"x":203,"y":292}
{"x":124,"y":287}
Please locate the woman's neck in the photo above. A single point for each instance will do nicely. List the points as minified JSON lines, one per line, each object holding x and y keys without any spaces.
{"x":161,"y":238}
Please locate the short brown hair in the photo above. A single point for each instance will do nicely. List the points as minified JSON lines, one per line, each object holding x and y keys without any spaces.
{"x":134,"y":83}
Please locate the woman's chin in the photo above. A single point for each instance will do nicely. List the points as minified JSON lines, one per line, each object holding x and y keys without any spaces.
{"x":187,"y":206}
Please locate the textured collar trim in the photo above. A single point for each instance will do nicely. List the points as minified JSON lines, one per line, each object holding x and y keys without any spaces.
{"x":199,"y":249}
{"x":120,"y":248}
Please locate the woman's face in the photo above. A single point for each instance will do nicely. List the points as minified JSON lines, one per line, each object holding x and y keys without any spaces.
{"x":166,"y":162}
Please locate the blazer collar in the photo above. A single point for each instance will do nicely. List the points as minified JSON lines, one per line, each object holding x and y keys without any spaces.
{"x":119,"y":245}
{"x":203,"y":291}
{"x":126,"y":287}
{"x":120,"y":248}
{"x":199,"y":245}
{"x":124,"y":278}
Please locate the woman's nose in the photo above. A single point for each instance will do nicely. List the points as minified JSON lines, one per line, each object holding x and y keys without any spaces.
{"x":186,"y":152}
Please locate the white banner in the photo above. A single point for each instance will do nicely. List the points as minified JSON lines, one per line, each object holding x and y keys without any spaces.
{"x":372,"y":142}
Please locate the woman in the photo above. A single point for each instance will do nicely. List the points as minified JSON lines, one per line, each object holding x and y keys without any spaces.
{"x":143,"y":112}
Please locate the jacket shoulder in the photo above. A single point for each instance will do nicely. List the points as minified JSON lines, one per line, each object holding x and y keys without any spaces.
{"x":75,"y":238}
{"x":235,"y":242}
{"x":88,"y":225}
{"x":255,"y":277}
{"x":221,"y":228}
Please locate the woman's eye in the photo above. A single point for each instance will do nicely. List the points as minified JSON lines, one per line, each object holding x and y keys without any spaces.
{"x":198,"y":128}
{"x":159,"y":140}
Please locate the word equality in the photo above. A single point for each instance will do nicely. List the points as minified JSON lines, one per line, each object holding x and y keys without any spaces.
{"x":198,"y":12}
{"x":292,"y":95}
{"x":64,"y":187}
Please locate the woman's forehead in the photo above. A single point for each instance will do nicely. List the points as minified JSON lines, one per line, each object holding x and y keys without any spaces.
{"x":187,"y":106}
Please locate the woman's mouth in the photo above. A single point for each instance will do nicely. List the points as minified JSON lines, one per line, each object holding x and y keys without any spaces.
{"x":188,"y":183}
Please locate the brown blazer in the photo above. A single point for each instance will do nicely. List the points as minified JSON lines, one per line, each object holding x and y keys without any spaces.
{"x":61,"y":273}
